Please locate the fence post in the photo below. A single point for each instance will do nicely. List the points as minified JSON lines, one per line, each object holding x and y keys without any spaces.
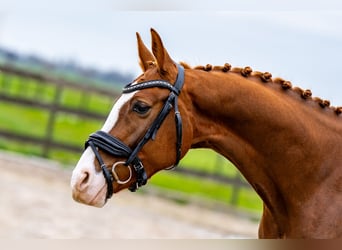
{"x":51,"y":121}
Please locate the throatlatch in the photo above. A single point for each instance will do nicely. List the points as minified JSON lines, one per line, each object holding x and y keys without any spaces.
{"x":114,"y":146}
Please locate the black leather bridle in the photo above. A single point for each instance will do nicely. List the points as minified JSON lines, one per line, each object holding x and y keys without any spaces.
{"x":114,"y":146}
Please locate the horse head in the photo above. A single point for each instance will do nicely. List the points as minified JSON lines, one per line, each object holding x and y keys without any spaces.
{"x":146,"y":131}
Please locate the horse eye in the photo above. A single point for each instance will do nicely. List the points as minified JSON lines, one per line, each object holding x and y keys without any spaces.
{"x":141,"y":108}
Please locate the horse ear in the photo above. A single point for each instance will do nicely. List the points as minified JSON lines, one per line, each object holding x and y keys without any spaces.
{"x":166,"y":65}
{"x":145,"y":56}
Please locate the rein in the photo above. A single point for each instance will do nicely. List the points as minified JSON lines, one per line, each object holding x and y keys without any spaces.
{"x":114,"y":146}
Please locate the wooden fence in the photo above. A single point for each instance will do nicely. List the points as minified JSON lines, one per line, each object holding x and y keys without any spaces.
{"x":54,"y":107}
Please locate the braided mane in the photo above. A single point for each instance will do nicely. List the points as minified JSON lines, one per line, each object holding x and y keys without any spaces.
{"x":266,"y":77}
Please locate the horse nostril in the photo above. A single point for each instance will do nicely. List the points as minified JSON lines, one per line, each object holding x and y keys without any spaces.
{"x":84,"y":180}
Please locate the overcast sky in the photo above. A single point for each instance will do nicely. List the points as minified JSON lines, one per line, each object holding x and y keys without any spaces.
{"x":300,"y":42}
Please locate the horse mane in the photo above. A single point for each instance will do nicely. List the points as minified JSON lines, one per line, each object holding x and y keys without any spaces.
{"x":266,"y":77}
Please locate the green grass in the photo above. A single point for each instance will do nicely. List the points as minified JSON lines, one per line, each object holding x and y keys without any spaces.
{"x":30,"y":89}
{"x":75,"y":130}
{"x":208,"y":161}
{"x":23,"y":120}
{"x":72,"y":129}
{"x":95,"y":103}
{"x":207,"y":189}
{"x":24,"y":148}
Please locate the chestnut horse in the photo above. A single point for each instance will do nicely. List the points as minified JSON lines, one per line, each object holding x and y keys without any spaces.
{"x":287,"y":144}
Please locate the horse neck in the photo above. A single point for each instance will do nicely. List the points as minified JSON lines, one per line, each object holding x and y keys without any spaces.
{"x":231,"y":106}
{"x":266,"y":132}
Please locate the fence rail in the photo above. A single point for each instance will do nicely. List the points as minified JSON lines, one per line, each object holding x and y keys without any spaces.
{"x":55,"y":80}
{"x":54,"y":106}
{"x":49,"y":106}
{"x":41,"y":141}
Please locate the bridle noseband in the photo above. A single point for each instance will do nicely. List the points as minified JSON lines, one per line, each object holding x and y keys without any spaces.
{"x":114,"y":146}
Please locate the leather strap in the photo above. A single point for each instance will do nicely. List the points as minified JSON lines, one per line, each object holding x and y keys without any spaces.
{"x":114,"y":146}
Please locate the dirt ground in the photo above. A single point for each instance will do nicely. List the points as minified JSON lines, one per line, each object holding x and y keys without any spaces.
{"x":35,"y":202}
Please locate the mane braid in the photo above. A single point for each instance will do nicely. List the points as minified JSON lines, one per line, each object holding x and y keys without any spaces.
{"x":265,"y":78}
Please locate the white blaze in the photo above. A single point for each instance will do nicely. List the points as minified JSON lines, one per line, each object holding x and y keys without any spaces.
{"x":114,"y":114}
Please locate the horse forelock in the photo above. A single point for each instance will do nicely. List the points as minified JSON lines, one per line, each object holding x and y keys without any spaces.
{"x":266,"y":77}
